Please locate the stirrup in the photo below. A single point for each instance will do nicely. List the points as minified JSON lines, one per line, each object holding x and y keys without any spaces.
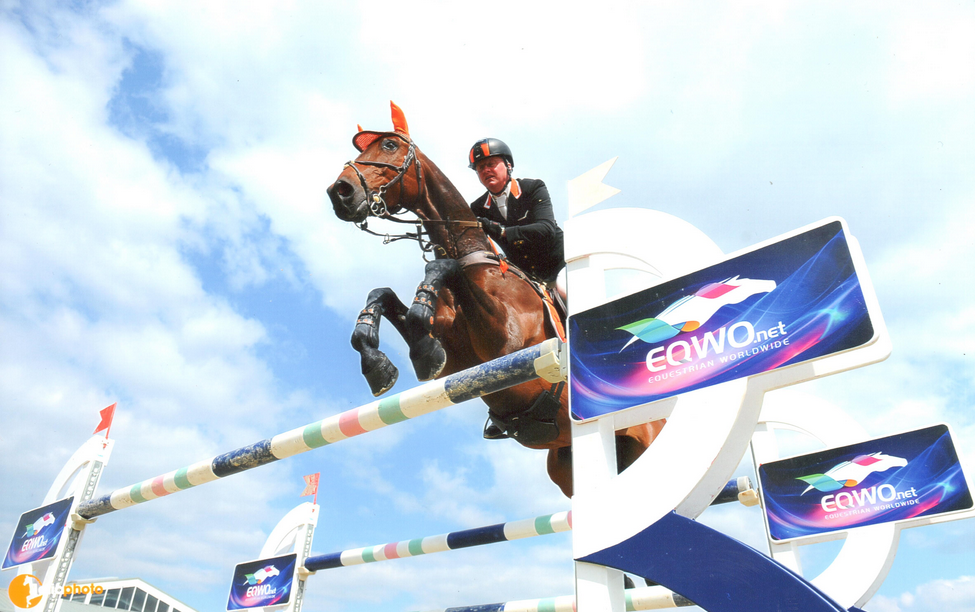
{"x":492,"y":431}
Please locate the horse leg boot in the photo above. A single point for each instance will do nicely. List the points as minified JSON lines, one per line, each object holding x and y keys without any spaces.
{"x":379,"y":371}
{"x":426,"y":353}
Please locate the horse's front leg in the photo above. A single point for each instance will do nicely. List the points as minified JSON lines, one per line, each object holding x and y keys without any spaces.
{"x":426,"y":352}
{"x":379,"y":371}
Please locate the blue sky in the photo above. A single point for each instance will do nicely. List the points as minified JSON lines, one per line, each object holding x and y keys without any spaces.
{"x":166,"y":243}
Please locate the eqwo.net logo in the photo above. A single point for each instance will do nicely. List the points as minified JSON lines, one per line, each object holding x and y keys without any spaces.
{"x":851,"y":473}
{"x":693,"y":311}
{"x":35,"y":528}
{"x":262,"y":574}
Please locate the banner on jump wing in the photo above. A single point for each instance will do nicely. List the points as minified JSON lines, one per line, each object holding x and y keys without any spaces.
{"x":38,"y":533}
{"x":792,"y":300}
{"x":264,"y":582}
{"x":898,"y":478}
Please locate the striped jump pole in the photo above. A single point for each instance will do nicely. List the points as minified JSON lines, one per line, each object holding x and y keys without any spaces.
{"x":540,"y":361}
{"x":502,"y":532}
{"x":642,"y":598}
{"x":737,"y":489}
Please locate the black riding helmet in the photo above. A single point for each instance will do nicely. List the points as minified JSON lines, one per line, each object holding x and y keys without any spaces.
{"x":489,"y":147}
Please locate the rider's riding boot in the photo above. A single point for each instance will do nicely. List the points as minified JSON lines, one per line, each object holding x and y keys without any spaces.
{"x":492,"y":431}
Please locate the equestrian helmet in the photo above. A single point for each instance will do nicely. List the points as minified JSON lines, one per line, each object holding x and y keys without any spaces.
{"x":489,"y":147}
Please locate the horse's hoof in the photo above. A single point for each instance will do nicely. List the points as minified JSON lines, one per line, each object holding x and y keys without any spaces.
{"x":431,"y":363}
{"x":382,"y":377}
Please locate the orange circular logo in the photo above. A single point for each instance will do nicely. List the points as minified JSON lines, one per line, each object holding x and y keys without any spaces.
{"x":25,"y":591}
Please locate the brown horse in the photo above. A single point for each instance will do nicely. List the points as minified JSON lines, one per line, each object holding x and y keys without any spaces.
{"x":468,"y":309}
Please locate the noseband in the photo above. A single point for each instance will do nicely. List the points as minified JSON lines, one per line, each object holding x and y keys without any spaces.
{"x":377,"y":205}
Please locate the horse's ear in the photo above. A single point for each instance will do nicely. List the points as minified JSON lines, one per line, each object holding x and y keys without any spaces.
{"x":399,"y":119}
{"x":359,"y":127}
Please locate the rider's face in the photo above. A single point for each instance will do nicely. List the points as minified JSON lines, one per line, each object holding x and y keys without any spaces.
{"x":492,"y":172}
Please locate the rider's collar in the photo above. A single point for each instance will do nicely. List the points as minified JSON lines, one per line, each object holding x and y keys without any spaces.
{"x":512,"y":187}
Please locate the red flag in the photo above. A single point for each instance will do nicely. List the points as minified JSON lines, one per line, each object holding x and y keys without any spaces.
{"x":107,"y":415}
{"x":311,"y":485}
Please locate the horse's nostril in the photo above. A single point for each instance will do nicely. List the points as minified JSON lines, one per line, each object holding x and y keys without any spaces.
{"x":343,"y":189}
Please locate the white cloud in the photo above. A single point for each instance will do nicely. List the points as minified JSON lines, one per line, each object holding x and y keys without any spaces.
{"x":99,"y":305}
{"x":919,"y":55}
{"x":935,"y":596}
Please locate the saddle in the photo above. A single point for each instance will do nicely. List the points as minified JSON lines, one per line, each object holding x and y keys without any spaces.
{"x":555,"y":309}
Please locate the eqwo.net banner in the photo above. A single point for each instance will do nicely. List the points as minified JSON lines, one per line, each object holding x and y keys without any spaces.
{"x":265,"y":582}
{"x":38,"y":533}
{"x":901,"y":477}
{"x":788,"y":302}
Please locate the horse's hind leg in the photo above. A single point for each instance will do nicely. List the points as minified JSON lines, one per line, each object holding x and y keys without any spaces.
{"x":379,"y":371}
{"x":559,"y":462}
{"x":629,"y":446}
{"x":559,"y":466}
{"x":426,"y":352}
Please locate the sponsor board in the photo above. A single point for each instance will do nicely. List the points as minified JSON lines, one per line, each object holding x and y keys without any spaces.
{"x":264,"y":582}
{"x":906,"y":476}
{"x":792,"y":300}
{"x":37,"y":534}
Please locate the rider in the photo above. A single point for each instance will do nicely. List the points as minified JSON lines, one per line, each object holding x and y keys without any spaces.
{"x":516,"y":213}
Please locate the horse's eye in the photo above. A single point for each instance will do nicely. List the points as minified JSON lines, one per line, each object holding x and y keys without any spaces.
{"x":389,"y":145}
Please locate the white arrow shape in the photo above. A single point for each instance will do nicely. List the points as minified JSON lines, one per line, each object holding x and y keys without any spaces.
{"x":587,"y":189}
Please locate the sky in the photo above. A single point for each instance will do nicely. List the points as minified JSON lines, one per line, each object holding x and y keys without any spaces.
{"x":166,"y":243}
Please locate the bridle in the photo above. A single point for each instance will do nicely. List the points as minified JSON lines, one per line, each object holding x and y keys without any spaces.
{"x":377,"y":205}
{"x":379,"y":209}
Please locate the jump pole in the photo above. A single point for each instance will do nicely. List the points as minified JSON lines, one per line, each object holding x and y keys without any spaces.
{"x":540,"y":361}
{"x":503,"y":532}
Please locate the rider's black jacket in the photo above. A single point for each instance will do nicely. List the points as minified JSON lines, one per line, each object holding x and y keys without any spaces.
{"x":533,"y":239}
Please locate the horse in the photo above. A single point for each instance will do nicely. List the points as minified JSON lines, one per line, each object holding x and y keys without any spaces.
{"x":468,"y":309}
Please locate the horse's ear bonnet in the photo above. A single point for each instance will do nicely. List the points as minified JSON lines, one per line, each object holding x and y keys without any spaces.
{"x":365,"y":138}
{"x":399,"y":119}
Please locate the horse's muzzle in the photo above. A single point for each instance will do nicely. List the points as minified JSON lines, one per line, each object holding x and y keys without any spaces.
{"x":348,"y":201}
